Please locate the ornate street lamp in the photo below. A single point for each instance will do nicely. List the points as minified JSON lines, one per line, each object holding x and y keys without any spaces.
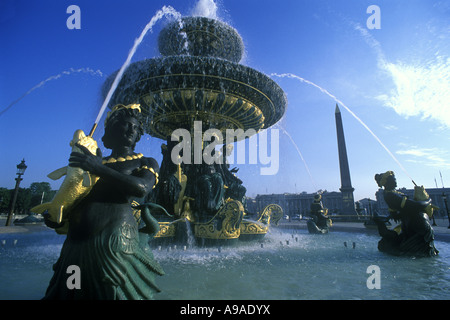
{"x":444,"y":196}
{"x":21,"y":167}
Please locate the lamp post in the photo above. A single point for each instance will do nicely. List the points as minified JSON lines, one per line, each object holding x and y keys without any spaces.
{"x":21,"y":167}
{"x":444,"y":196}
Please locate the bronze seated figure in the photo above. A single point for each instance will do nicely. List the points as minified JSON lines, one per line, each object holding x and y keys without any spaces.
{"x":414,"y":236}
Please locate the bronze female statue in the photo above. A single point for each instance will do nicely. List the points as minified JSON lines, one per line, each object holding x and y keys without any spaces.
{"x":103,"y":238}
{"x":234,"y":187}
{"x":416,"y":237}
{"x":320,"y":223}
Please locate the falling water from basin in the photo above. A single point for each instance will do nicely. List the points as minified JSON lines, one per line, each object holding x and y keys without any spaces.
{"x":299,"y":153}
{"x":190,"y":235}
{"x":293,"y":76}
{"x":165,"y":11}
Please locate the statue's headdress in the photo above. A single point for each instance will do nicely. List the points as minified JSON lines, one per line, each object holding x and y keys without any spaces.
{"x":120,"y":107}
{"x":382,"y":179}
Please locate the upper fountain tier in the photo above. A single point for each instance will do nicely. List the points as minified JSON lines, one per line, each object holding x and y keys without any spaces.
{"x":198,"y":78}
{"x":198,"y":36}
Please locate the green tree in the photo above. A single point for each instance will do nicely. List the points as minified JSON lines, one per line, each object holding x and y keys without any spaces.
{"x":37,"y":193}
{"x":41,"y":192}
{"x":39,"y":187}
{"x":23,"y":201}
{"x":5,"y":200}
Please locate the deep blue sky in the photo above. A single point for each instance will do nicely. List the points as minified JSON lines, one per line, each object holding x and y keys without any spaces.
{"x":395,"y":79}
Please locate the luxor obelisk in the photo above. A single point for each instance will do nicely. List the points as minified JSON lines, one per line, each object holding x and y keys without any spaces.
{"x":348,"y":201}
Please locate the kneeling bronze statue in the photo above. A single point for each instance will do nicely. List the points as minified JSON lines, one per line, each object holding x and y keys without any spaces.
{"x":320,"y":223}
{"x":414,"y":236}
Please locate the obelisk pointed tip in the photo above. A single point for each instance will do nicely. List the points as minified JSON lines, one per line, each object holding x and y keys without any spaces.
{"x":337,"y":109}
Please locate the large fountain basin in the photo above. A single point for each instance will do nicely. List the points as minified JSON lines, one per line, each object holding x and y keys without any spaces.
{"x":178,"y":90}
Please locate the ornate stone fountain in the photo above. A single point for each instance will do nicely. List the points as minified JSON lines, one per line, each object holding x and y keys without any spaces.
{"x":199,"y":79}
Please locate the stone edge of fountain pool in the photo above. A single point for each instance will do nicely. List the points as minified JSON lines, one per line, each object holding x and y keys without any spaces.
{"x":23,"y":229}
{"x":442,"y":233}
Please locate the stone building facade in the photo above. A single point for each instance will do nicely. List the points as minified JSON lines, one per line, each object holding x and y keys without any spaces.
{"x":296,"y":204}
{"x":437,"y":195}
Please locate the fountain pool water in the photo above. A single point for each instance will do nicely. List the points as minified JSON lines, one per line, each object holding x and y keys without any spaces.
{"x":289,"y":265}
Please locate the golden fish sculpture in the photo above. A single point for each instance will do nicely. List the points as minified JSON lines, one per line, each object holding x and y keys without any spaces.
{"x":420,"y":194}
{"x":76,"y":185}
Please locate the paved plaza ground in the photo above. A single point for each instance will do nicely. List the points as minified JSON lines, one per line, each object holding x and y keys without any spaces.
{"x":441,"y":230}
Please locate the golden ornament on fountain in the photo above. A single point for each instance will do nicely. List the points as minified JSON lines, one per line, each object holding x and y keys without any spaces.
{"x":76,"y":185}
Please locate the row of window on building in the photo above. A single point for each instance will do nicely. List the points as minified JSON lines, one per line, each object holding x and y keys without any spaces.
{"x":298,"y":204}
